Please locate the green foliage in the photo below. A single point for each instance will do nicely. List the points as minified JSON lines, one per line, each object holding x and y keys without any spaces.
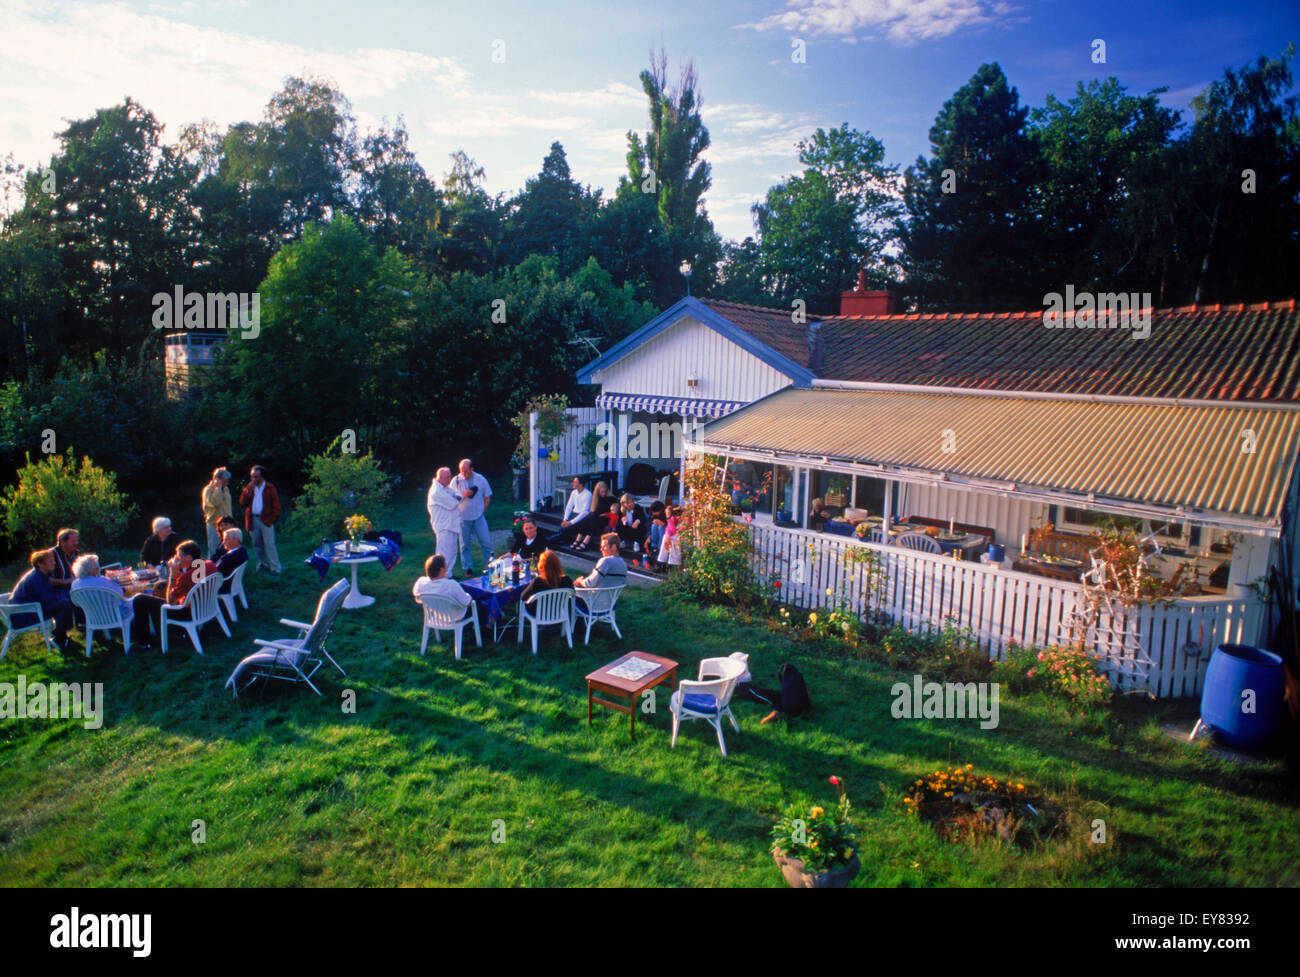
{"x":822,"y":841}
{"x":56,"y":492}
{"x":717,"y":552}
{"x":1071,"y":674}
{"x":339,"y":485}
{"x":946,"y":654}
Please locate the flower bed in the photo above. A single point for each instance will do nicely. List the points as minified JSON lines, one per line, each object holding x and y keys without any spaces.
{"x":961,"y":804}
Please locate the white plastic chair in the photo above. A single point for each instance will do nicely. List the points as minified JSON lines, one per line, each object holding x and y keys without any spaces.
{"x":548,"y":607}
{"x":8,"y":610}
{"x":204,"y":607}
{"x":595,"y":605}
{"x":444,"y":614}
{"x":103,"y":610}
{"x":920,"y":542}
{"x":645,"y":501}
{"x":236,"y":590}
{"x":709,"y":698}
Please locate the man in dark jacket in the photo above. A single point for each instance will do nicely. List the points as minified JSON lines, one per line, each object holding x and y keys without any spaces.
{"x":233,"y":556}
{"x":261,"y":509}
{"x":35,"y":587}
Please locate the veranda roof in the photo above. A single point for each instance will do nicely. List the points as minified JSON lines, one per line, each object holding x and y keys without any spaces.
{"x":1225,"y":465}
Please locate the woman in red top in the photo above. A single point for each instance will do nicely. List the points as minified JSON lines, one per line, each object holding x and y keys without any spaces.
{"x":187,"y":569}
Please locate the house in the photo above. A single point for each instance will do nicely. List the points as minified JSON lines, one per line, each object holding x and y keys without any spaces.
{"x":1029,"y":428}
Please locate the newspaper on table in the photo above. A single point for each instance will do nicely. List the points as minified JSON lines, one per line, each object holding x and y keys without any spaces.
{"x":634,"y":669}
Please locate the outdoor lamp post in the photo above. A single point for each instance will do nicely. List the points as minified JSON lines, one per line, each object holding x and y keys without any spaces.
{"x":685,"y":269}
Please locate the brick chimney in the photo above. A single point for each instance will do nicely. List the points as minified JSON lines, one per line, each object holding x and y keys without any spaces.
{"x":862,"y":301}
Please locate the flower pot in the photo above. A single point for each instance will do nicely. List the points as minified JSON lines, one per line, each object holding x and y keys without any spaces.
{"x":798,"y":878}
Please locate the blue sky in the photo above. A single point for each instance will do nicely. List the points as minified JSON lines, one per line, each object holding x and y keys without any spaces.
{"x":570,"y":69}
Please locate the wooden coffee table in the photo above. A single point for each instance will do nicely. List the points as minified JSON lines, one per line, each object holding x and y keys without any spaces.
{"x":628,"y":688}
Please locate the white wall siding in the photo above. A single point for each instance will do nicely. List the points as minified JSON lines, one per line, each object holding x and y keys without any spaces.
{"x":1010,"y":518}
{"x":660,"y":367}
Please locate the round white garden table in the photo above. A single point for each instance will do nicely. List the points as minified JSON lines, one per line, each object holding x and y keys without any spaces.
{"x":365,"y":553}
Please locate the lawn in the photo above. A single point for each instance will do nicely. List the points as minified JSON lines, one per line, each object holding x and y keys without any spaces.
{"x":440,"y":755}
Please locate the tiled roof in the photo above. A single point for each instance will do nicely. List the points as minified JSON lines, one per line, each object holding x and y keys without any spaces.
{"x":772,"y":327}
{"x":1229,"y":353}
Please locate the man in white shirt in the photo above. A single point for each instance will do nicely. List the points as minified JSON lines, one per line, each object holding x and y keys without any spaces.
{"x":579,"y":505}
{"x":436,"y":583}
{"x":444,"y":517}
{"x":475,"y":494}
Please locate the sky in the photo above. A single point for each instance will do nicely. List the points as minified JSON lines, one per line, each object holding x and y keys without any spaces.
{"x":504,"y":80}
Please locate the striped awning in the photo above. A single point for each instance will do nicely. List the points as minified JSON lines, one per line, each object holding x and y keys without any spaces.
{"x":690,"y":407}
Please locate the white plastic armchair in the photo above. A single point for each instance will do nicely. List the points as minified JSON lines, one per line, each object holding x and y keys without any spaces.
{"x":548,"y":607}
{"x":595,"y":605}
{"x":920,"y":542}
{"x":204,"y":607}
{"x":709,"y":698}
{"x":444,"y":614}
{"x":103,"y":610}
{"x":236,"y":590}
{"x":7,"y":613}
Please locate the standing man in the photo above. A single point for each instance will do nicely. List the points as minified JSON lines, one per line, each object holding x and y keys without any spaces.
{"x":444,"y":516}
{"x":475,"y":494}
{"x":216,"y":503}
{"x":261,"y":509}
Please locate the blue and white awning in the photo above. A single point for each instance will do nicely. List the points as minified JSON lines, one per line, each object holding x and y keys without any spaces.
{"x":687,"y":406}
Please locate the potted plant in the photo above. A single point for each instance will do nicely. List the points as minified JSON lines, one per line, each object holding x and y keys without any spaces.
{"x":814,"y":848}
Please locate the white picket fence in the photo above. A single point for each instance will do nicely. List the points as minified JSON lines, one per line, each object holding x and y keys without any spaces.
{"x":545,"y":475}
{"x":1158,"y":649}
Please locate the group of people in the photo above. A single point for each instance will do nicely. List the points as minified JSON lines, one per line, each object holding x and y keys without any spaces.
{"x":61,"y":571}
{"x":609,"y":571}
{"x":589,"y":513}
{"x":58,"y":572}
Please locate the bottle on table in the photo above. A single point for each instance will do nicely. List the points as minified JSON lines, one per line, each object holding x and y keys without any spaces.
{"x":515,"y":570}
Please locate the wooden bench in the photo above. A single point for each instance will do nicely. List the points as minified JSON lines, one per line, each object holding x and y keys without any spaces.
{"x":964,"y":527}
{"x":1072,"y":546}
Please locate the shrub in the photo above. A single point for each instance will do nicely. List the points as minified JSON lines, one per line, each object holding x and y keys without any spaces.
{"x":949,"y":654}
{"x":55,"y":492}
{"x":717,"y":554}
{"x":338,"y":485}
{"x":1071,"y":674}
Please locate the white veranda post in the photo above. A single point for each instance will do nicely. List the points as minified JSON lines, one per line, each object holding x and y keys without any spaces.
{"x":532,"y":460}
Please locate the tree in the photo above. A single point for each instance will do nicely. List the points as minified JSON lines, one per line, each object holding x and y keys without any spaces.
{"x":667,"y":164}
{"x":970,"y":236}
{"x":334,"y":313}
{"x":395,"y":200}
{"x":472,"y":240}
{"x":817,"y":229}
{"x":1105,"y":157}
{"x":548,"y":218}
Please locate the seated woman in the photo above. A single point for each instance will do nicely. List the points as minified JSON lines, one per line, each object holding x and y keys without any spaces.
{"x":596,"y":521}
{"x":186,"y":569}
{"x":530,"y":544}
{"x":550,"y":576}
{"x":161,"y":546}
{"x":633,"y":523}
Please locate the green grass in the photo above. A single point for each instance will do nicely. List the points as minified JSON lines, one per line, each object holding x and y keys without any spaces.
{"x":409,"y":788}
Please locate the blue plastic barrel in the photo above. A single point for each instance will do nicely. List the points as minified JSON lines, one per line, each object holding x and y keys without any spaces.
{"x":1233,"y":669}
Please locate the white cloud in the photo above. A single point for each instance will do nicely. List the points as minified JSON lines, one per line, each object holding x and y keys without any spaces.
{"x":902,"y":21}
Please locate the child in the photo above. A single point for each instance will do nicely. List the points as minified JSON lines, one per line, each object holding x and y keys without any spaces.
{"x":670,"y":551}
{"x":658,"y":524}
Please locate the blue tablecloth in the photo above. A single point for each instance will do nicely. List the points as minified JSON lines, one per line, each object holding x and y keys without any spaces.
{"x":493,"y":601}
{"x":971,"y":545}
{"x":384,"y":549}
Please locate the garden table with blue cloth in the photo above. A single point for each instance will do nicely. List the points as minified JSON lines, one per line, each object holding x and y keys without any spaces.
{"x":971,"y":545}
{"x":494,"y":602}
{"x":383,"y":549}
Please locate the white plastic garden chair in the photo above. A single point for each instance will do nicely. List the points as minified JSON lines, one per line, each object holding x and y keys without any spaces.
{"x":236,"y":590}
{"x":709,"y":698}
{"x":548,"y":607}
{"x":596,"y":605}
{"x":444,"y":614}
{"x":287,"y":658}
{"x":920,"y":542}
{"x":7,"y":612}
{"x":204,"y":607}
{"x":103,"y":610}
